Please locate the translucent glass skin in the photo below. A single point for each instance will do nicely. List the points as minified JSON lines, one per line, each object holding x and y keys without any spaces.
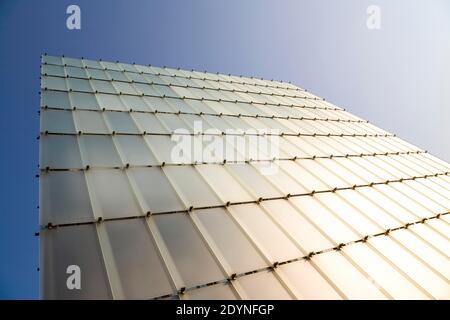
{"x":341,"y":210}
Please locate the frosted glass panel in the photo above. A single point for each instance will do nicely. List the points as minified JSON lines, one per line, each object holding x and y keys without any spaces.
{"x":110,"y":102}
{"x":135,"y":150}
{"x":57,"y":121}
{"x":263,"y":286}
{"x":352,"y":283}
{"x":79,"y":85}
{"x":113,"y":193}
{"x":268,"y":236}
{"x":64,"y":198}
{"x":226,"y":187}
{"x":156,"y":190}
{"x":309,"y":237}
{"x":90,"y":122}
{"x":217,"y":292}
{"x":432,"y":283}
{"x":99,"y":151}
{"x":192,"y":258}
{"x":79,"y":246}
{"x":238,"y":251}
{"x":308,"y":282}
{"x":60,"y":152}
{"x":191,"y":186}
{"x":55,"y":99}
{"x":141,"y":270}
{"x":149,"y":123}
{"x":121,"y":122}
{"x":82,"y":100}
{"x":255,"y":182}
{"x":383,"y":272}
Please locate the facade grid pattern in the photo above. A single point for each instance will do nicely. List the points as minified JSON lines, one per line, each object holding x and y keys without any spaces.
{"x":350,"y":211}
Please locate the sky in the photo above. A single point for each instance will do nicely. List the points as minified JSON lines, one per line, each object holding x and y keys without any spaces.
{"x":397,"y":76}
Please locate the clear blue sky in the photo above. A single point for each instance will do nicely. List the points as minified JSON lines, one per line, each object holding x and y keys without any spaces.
{"x":397,"y":77}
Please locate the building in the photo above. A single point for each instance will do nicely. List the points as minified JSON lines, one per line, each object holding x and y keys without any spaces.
{"x":160,"y":183}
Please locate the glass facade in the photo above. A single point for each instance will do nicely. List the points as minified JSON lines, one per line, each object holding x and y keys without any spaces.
{"x":165,"y":183}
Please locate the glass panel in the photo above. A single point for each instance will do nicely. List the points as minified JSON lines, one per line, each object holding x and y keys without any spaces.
{"x":141,"y":271}
{"x":76,"y":72}
{"x":57,"y":121}
{"x":307,"y":281}
{"x":388,"y":204}
{"x":79,"y":85}
{"x":55,"y":99}
{"x":52,"y":70}
{"x":156,"y":190}
{"x":225,"y":186}
{"x":432,"y":237}
{"x":417,"y":194}
{"x":53,"y":83}
{"x":232,"y":243}
{"x":103,"y":86}
{"x":98,"y":74}
{"x":151,"y":78}
{"x":440,"y":225}
{"x":353,"y":216}
{"x":179,"y":105}
{"x":285,"y":183}
{"x":136,"y":77}
{"x":64,"y":198}
{"x":113,"y":193}
{"x":190,"y":255}
{"x":110,"y":102}
{"x":173,"y":122}
{"x":265,"y":232}
{"x":341,"y":171}
{"x":72,"y":62}
{"x":149,"y":123}
{"x":191,"y":185}
{"x":145,"y":89}
{"x":263,"y":286}
{"x":52,"y":60}
{"x":221,"y":291}
{"x":199,"y":106}
{"x":254,"y":180}
{"x":432,"y":257}
{"x":135,"y":150}
{"x":372,"y":209}
{"x":135,"y":103}
{"x":83,"y":100}
{"x":123,"y":87}
{"x":60,"y":152}
{"x":110,"y":65}
{"x":415,"y":208}
{"x":352,"y":283}
{"x":165,"y":91}
{"x":383,"y":272}
{"x":92,"y":64}
{"x":302,"y":175}
{"x":324,"y":219}
{"x":117,"y":75}
{"x":121,"y":122}
{"x":162,"y":147}
{"x":301,"y":229}
{"x":434,"y":285}
{"x":90,"y":122}
{"x":77,"y":245}
{"x":99,"y":151}
{"x":129,"y":68}
{"x":158,"y":104}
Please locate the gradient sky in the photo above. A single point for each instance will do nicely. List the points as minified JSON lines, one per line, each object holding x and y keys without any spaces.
{"x":397,"y":77}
